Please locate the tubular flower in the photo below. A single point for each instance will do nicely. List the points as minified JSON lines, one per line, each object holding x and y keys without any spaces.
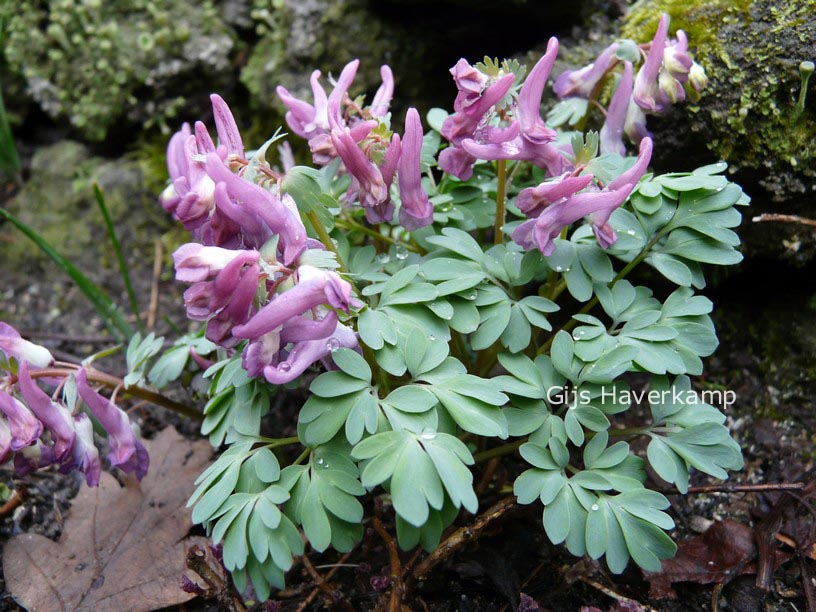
{"x":464,"y":124}
{"x":647,"y":93}
{"x":416,"y":210}
{"x":382,"y":99}
{"x":126,"y":452}
{"x":314,"y":287}
{"x":598,"y":204}
{"x":531,"y":140}
{"x":5,"y":441}
{"x":469,"y":81}
{"x":12,"y":344}
{"x":613,"y":128}
{"x":304,"y":353}
{"x":25,"y":427}
{"x":86,"y":455}
{"x":33,"y":458}
{"x":582,"y":82}
{"x":55,"y":417}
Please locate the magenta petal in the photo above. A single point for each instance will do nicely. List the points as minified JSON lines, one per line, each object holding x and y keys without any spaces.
{"x":304,"y":354}
{"x":25,"y":427}
{"x":581,"y":82}
{"x":5,"y":441}
{"x":529,"y":100}
{"x":12,"y":344}
{"x":646,"y":91}
{"x":86,"y":455}
{"x":416,"y":210}
{"x":225,"y":125}
{"x":121,"y":439}
{"x":54,"y":416}
{"x":382,"y":99}
{"x":612,"y":130}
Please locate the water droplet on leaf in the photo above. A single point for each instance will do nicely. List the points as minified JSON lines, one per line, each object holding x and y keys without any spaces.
{"x":595,"y":507}
{"x":431,"y":337}
{"x":383,"y":258}
{"x":401,"y":252}
{"x":427,"y":434}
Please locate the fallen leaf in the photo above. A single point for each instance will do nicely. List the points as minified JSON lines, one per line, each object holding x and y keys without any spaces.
{"x":123,"y":548}
{"x":725,"y":550}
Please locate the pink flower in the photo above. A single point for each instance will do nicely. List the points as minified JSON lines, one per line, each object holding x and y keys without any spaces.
{"x":25,"y":428}
{"x":54,"y":416}
{"x":12,"y":344}
{"x":416,"y":210}
{"x":582,"y":82}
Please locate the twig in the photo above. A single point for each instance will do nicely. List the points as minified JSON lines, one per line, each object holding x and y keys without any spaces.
{"x":784,"y":219}
{"x":112,"y":382}
{"x":310,"y":597}
{"x":487,"y":476}
{"x":15,"y":499}
{"x":501,"y":196}
{"x":217,"y":587}
{"x":335,"y":596}
{"x":737,"y":488}
{"x":462,"y":536}
{"x":154,"y":285}
{"x":397,"y":587}
{"x":614,"y":595}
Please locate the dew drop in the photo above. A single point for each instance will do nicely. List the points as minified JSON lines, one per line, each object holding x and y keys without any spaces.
{"x":446,"y":207}
{"x":401,"y":252}
{"x":447,"y":316}
{"x":559,"y":269}
{"x":567,"y":269}
{"x":595,"y":507}
{"x":631,"y":232}
{"x":383,"y":258}
{"x":431,"y":337}
{"x":578,"y":334}
{"x":428,"y":434}
{"x":284,"y":366}
{"x":471,"y":296}
{"x":332,"y":344}
{"x":320,"y":461}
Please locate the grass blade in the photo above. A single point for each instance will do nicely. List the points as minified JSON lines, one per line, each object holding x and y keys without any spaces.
{"x":9,"y":160}
{"x":112,"y":317}
{"x":124,"y":270}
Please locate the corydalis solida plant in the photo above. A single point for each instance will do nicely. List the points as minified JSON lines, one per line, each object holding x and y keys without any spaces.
{"x":367,"y":280}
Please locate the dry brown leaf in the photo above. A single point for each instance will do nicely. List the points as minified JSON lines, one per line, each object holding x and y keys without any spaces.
{"x":123,"y":548}
{"x":725,"y":550}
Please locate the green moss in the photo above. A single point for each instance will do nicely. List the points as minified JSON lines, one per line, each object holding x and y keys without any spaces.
{"x":94,"y":62}
{"x":751,"y":50}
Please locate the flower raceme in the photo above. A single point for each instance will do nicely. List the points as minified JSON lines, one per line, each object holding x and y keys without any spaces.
{"x":37,"y":430}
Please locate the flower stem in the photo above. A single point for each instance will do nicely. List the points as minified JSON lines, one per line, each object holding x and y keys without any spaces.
{"x":354,"y":226}
{"x":112,"y":382}
{"x":501,"y":196}
{"x":325,"y":238}
{"x":498,"y":451}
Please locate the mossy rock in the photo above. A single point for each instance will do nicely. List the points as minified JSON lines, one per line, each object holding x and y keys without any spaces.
{"x":93,"y":63}
{"x":751,"y":51}
{"x":58,"y":202}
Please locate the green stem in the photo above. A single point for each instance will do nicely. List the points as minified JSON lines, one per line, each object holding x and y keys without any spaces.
{"x":351,"y":225}
{"x":501,"y":196}
{"x":325,"y":238}
{"x":498,"y":451}
{"x":275,"y":442}
{"x":302,"y":456}
{"x":594,"y":301}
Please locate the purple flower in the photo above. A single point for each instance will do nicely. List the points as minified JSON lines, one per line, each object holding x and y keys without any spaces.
{"x":582,"y":82}
{"x":416,"y":210}
{"x":176,"y":167}
{"x":25,"y":428}
{"x":464,"y":124}
{"x":676,"y":60}
{"x":227,"y":129}
{"x":311,"y":120}
{"x":303,"y":354}
{"x":532,"y":141}
{"x":635,"y":124}
{"x":314,"y":287}
{"x":195,"y":262}
{"x":86,"y":455}
{"x":54,"y":416}
{"x":247,"y":204}
{"x":228,"y":299}
{"x":613,"y":127}
{"x":598,"y":204}
{"x":647,"y":90}
{"x":533,"y":200}
{"x":32,"y":458}
{"x":126,"y":452}
{"x":382,"y":99}
{"x":12,"y":344}
{"x":469,"y":81}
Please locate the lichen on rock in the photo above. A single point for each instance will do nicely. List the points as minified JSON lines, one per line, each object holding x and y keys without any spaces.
{"x":91,"y":61}
{"x":751,"y":50}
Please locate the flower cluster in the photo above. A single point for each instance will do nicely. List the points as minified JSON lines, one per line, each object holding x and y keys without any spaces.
{"x":668,"y":73}
{"x":337,"y":126}
{"x":37,"y":430}
{"x":250,"y":269}
{"x":490,"y":123}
